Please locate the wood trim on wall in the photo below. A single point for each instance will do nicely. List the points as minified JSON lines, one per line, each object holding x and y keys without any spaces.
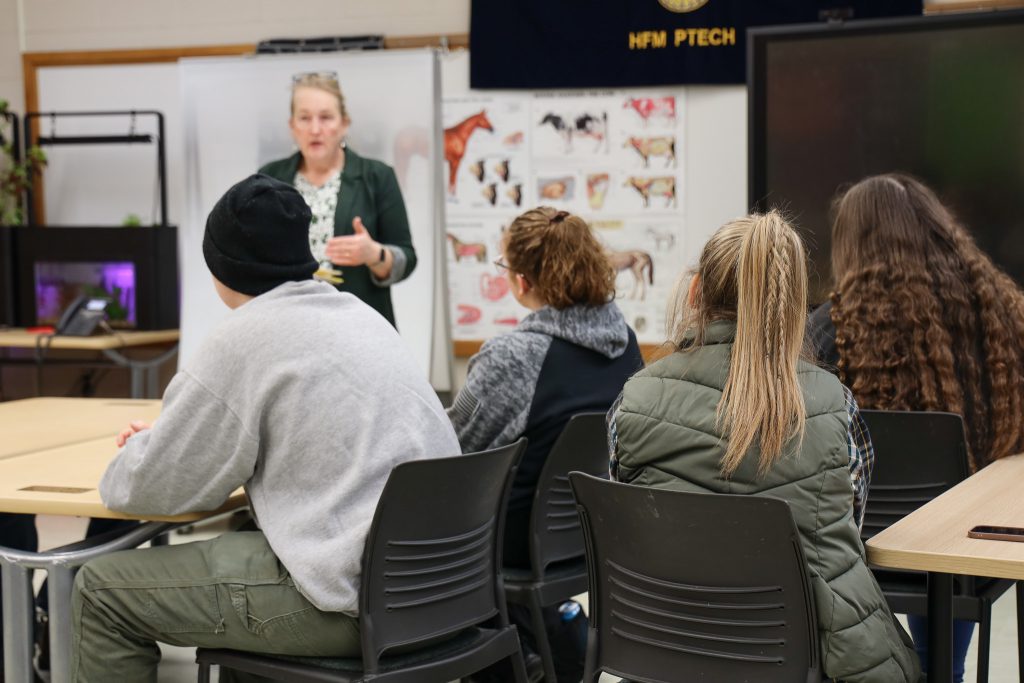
{"x":453,"y":41}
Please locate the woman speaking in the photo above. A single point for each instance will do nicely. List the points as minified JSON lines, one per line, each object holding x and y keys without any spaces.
{"x":360,"y":231}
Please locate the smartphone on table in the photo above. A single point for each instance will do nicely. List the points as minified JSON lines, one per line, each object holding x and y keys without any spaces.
{"x":997,"y":533}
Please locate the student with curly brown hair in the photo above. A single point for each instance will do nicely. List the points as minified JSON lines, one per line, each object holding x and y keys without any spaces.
{"x":571,"y":354}
{"x":921,"y":319}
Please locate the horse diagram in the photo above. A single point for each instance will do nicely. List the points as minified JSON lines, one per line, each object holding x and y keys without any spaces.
{"x":469,"y":250}
{"x":636,"y":262}
{"x":455,"y":140}
{"x":666,"y":237}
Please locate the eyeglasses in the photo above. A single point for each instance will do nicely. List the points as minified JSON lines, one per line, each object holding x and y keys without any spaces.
{"x":328,"y":75}
{"x":500,"y":264}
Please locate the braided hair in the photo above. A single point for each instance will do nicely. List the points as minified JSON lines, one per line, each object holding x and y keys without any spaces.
{"x":753,"y":270}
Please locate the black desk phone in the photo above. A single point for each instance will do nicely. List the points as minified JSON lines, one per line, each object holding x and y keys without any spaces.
{"x":82,"y":316}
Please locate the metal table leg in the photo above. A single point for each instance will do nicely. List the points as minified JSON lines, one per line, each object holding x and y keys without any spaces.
{"x":60,"y":564}
{"x":940,"y":628}
{"x":61,"y":582}
{"x":142,"y":370}
{"x":18,"y":621}
{"x":138,"y":375}
{"x":153,"y":382}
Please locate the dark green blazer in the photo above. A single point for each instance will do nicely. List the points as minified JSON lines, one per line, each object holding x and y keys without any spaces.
{"x":369,"y":189}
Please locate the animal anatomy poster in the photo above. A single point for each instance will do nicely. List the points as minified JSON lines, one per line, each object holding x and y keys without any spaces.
{"x":613,"y":158}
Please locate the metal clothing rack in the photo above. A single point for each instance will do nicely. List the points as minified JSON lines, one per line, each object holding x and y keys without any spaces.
{"x":131,"y":137}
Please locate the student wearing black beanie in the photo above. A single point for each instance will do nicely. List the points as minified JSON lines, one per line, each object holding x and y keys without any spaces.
{"x":257,"y":236}
{"x":304,"y":395}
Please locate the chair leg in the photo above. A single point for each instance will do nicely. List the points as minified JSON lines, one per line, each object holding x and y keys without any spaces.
{"x":541,"y":636}
{"x":591,"y":674}
{"x":984,"y":640}
{"x":1020,"y":630}
{"x":204,"y":673}
{"x":519,"y":666}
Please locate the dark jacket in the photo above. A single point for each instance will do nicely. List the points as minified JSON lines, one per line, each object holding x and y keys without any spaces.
{"x":669,"y":437}
{"x":530,"y":382}
{"x":369,"y":189}
{"x":821,"y":334}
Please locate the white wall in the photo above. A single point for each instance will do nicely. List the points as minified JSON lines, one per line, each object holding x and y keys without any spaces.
{"x":10,"y":56}
{"x":120,"y":24}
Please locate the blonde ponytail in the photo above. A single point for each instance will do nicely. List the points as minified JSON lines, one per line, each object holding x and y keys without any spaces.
{"x":753,"y":271}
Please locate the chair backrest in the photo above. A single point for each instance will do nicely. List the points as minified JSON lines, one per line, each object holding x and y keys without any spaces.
{"x":918,"y":455}
{"x":555,"y":533}
{"x":431,"y":560}
{"x":713,"y":585}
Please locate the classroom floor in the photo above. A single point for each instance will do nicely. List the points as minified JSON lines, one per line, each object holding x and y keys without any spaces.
{"x":178,"y":665}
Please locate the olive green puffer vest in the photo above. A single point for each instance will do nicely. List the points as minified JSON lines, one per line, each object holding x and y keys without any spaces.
{"x":667,"y":438}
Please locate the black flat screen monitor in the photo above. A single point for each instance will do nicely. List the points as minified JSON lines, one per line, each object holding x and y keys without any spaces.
{"x":135,"y":268}
{"x":939,"y":97}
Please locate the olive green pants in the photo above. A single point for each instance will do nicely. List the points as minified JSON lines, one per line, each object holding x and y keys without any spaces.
{"x":228,"y":592}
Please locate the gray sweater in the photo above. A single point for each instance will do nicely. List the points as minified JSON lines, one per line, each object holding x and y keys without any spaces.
{"x":308,"y":398}
{"x":493,"y":408}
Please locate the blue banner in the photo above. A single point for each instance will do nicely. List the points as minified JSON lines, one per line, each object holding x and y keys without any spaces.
{"x":619,"y":43}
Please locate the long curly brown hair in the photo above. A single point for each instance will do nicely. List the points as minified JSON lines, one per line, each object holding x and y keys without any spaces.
{"x":924,"y":320}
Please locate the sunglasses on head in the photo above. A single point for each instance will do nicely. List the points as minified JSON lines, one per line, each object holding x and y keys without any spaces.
{"x":329,"y":75}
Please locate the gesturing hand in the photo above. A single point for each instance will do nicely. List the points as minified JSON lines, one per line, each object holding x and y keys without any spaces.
{"x":354,"y":250}
{"x":134,"y":427}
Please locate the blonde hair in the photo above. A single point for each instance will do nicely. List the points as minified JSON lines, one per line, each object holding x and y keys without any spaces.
{"x":753,"y":270}
{"x":325,"y":82}
{"x":558,"y":254}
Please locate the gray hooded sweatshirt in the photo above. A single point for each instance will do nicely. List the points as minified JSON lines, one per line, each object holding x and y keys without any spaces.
{"x":307,"y":397}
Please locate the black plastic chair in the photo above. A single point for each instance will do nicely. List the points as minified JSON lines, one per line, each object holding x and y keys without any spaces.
{"x":431,"y":607}
{"x":919,"y":455}
{"x":695,"y":586}
{"x":558,"y":568}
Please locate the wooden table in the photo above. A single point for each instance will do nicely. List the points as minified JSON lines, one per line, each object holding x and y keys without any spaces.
{"x":143,"y":372}
{"x":60,"y":476}
{"x":20,"y":338}
{"x":64,"y":481}
{"x":934,"y":539}
{"x":38,"y":424}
